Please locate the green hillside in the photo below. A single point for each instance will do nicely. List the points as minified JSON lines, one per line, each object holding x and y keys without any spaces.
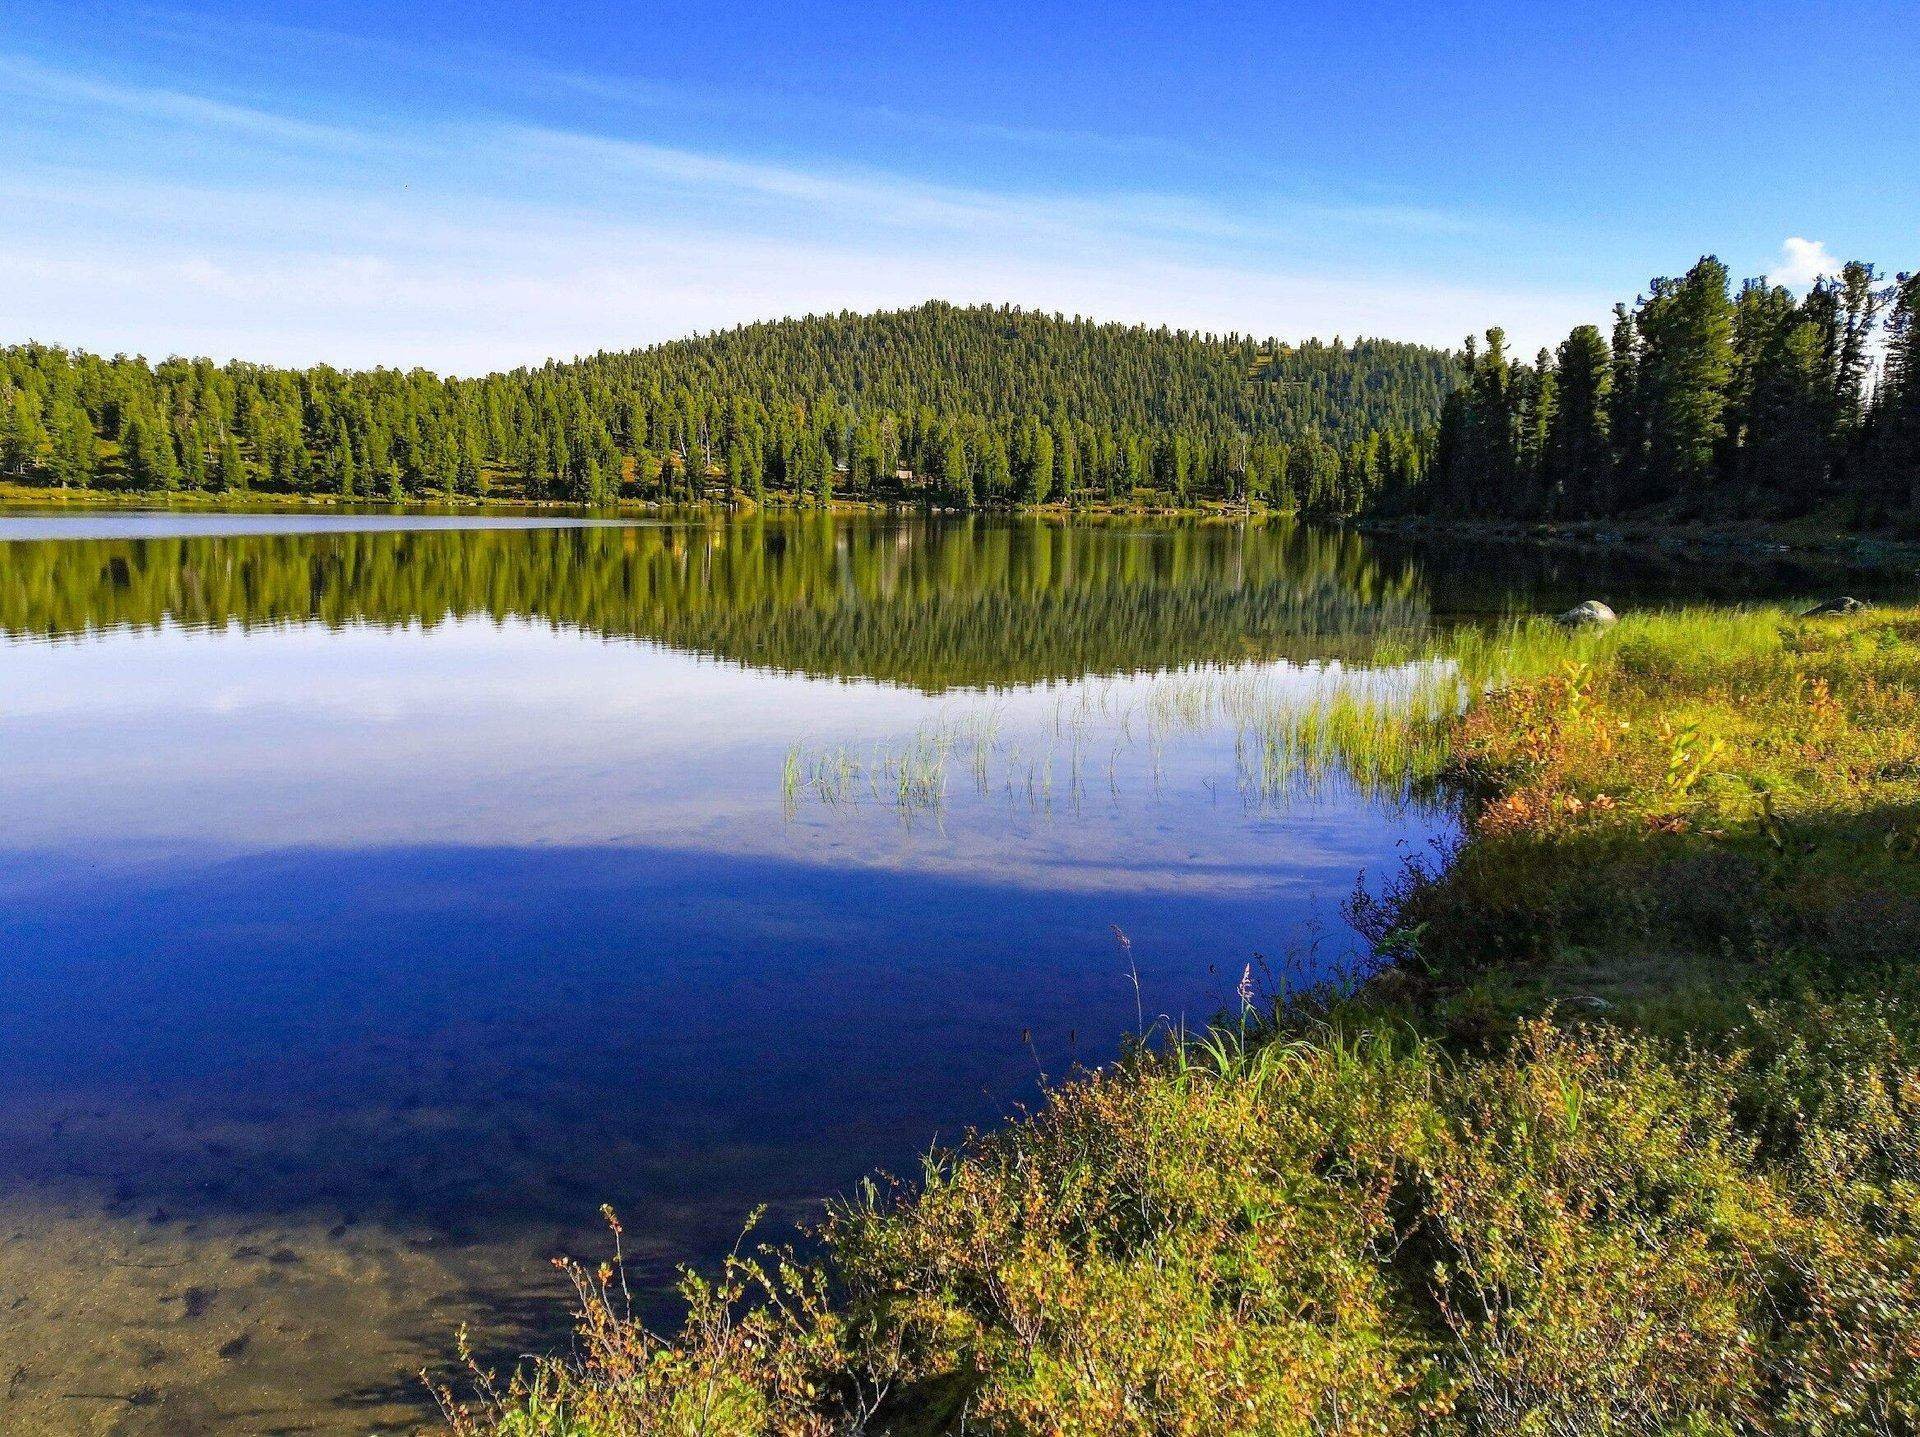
{"x":963,"y":406}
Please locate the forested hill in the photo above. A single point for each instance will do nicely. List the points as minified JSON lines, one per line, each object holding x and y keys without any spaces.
{"x":1003,"y":363}
{"x":960,"y":405}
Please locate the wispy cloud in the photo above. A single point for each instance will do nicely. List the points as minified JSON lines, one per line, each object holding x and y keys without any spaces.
{"x":501,"y":73}
{"x":484,"y":70}
{"x":864,"y":196}
{"x":475,"y":242}
{"x":28,"y":78}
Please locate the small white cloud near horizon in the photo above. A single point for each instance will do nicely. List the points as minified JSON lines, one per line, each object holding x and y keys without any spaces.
{"x":1802,"y":261}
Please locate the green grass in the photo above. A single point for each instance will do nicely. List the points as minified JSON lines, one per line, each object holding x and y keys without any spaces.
{"x":1624,"y":1139}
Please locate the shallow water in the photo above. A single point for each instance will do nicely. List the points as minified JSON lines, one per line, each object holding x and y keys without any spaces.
{"x":378,"y":898}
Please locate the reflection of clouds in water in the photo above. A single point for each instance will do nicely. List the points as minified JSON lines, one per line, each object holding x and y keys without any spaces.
{"x":485,"y":733}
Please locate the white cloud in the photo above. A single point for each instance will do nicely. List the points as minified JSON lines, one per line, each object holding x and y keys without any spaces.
{"x":1802,"y":261}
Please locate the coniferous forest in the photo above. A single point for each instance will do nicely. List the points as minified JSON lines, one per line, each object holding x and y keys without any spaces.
{"x":1702,"y":402}
{"x":967,"y":407}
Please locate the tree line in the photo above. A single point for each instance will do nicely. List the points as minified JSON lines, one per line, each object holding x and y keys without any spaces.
{"x":963,"y":406}
{"x":1702,"y":402}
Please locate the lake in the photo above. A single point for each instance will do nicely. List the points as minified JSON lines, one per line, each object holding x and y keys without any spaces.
{"x":381,"y":894}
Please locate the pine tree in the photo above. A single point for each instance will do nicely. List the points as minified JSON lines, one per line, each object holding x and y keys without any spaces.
{"x":1172,"y":465}
{"x":346,"y":472}
{"x":954,"y":473}
{"x":1040,"y":475}
{"x":1480,"y":448}
{"x":1136,"y":470}
{"x":820,"y":461}
{"x":1579,"y":460}
{"x":148,"y":450}
{"x":23,"y":437}
{"x":1626,"y":416}
{"x":743,"y":468}
{"x":74,"y":455}
{"x":1539,"y":399}
{"x":1682,"y":379}
{"x":232,"y":470}
{"x":1896,"y":413}
{"x":996,"y":480}
{"x":1066,"y":459}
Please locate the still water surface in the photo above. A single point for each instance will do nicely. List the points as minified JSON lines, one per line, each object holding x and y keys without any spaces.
{"x":380,"y":895}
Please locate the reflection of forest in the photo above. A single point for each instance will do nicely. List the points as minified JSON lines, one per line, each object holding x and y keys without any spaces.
{"x":933,"y":603}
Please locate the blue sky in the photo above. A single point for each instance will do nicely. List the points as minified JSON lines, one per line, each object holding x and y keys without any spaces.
{"x":477,"y":185}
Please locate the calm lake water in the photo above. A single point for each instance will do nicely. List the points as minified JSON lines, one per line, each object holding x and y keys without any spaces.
{"x":380,"y":895}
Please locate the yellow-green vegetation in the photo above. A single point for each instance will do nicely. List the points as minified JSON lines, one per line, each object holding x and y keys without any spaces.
{"x":1685,"y":813}
{"x":1624,"y":1139}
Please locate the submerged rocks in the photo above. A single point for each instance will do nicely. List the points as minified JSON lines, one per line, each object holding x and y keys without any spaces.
{"x":1845,"y":604}
{"x":1581,"y":616}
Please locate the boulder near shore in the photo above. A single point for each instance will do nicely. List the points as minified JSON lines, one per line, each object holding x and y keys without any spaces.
{"x":1583,"y":615}
{"x":1845,"y":604}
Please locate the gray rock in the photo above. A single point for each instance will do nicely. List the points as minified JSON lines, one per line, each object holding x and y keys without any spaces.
{"x":1842,"y":605}
{"x":1591,"y":612}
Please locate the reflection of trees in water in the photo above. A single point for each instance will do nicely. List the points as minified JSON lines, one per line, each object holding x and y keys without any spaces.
{"x":934,"y":603}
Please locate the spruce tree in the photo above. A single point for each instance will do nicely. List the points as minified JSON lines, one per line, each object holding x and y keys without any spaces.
{"x":74,"y":454}
{"x":1579,"y":459}
{"x":1896,"y":413}
{"x":1682,"y":379}
{"x":23,"y":439}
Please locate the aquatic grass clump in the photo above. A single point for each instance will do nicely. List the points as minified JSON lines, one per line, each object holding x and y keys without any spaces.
{"x":1380,"y":732}
{"x":1379,"y":728}
{"x":913,"y":779}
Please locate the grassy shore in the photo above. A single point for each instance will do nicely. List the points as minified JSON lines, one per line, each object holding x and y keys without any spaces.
{"x":263,"y":500}
{"x":1624,"y":1138}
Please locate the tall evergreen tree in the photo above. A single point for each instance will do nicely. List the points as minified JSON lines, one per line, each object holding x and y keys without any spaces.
{"x":1579,"y":457}
{"x":73,"y":454}
{"x":1682,"y":377}
{"x":1896,"y":412}
{"x":23,"y":436}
